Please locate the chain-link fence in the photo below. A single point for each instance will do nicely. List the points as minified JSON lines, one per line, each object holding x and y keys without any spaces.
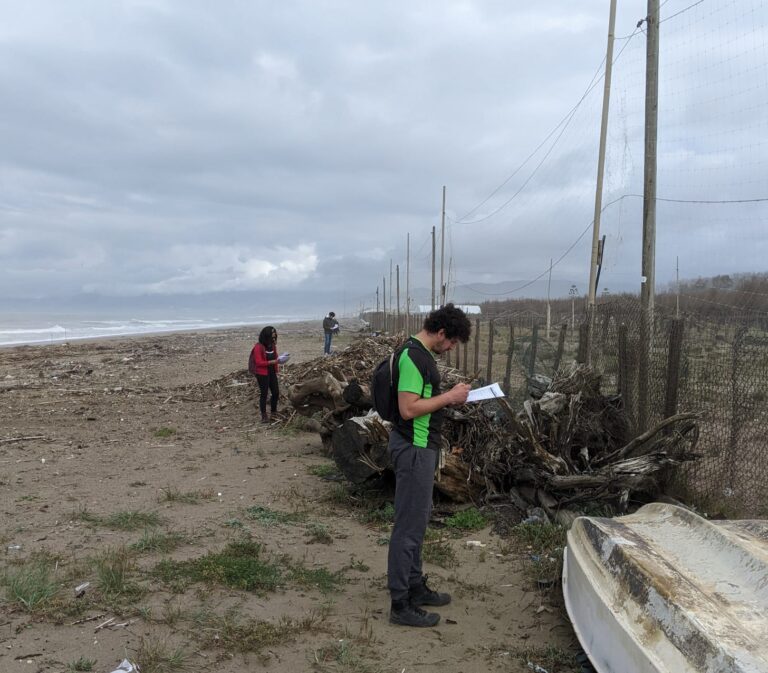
{"x":715,"y":367}
{"x":718,"y":369}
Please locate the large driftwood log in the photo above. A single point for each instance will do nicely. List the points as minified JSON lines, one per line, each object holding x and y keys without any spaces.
{"x":456,"y":480}
{"x":323,"y":391}
{"x":359,"y":448}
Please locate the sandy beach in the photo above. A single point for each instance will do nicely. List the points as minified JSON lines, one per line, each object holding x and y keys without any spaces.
{"x":138,"y":466}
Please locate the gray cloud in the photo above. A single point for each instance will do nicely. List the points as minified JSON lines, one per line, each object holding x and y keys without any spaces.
{"x":170,"y":147}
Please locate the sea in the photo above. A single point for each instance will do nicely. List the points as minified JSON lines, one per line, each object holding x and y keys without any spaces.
{"x":30,"y":328}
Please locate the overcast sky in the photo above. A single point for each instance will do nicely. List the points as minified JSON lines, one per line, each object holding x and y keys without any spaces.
{"x":181,"y":146}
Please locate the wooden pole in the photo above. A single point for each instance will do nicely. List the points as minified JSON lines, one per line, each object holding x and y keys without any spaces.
{"x":397,"y":276}
{"x":648,"y":278}
{"x":384,"y":297}
{"x":549,"y":286}
{"x":391,"y":287}
{"x":433,"y":268}
{"x":508,"y":366}
{"x":534,"y":349}
{"x":477,"y":346}
{"x":560,"y":348}
{"x":442,"y":253}
{"x":464,"y":363}
{"x":489,"y":369}
{"x":592,"y":291}
{"x":408,"y":282}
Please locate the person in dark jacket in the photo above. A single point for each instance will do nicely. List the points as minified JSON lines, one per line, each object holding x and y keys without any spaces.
{"x":330,"y":327}
{"x":267,"y":365}
{"x":414,"y":445}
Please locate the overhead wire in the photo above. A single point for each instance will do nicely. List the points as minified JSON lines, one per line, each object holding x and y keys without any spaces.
{"x":565,"y":122}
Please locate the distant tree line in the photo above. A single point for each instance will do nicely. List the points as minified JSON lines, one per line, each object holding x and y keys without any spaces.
{"x":721,"y":298}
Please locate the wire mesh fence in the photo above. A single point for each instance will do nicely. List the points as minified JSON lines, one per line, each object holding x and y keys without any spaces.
{"x":714,"y":366}
{"x":717,"y":368}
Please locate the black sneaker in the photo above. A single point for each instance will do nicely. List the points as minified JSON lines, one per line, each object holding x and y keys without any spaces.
{"x":421,"y":594}
{"x":405,"y":613}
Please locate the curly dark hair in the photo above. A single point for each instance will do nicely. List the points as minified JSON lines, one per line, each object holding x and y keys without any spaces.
{"x":265,"y":336}
{"x":451,"y":319}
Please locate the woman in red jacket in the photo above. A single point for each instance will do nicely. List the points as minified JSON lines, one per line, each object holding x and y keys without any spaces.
{"x":265,"y":358}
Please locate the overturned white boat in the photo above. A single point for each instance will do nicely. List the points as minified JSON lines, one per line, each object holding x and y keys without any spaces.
{"x":665,"y":591}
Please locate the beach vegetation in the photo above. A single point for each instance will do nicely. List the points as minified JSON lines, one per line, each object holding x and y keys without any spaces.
{"x":467,"y":519}
{"x":164,"y":432}
{"x":156,"y":655}
{"x":233,"y":633}
{"x":438,"y":550}
{"x":324,"y":471}
{"x":154,"y":540}
{"x":541,"y":547}
{"x":270,"y":517}
{"x":239,"y":565}
{"x":115,"y":569}
{"x":318,"y":532}
{"x":31,"y":585}
{"x":171,"y":494}
{"x":128,"y":520}
{"x":83,"y":664}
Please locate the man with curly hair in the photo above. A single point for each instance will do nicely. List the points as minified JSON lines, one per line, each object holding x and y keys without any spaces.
{"x":414,"y":444}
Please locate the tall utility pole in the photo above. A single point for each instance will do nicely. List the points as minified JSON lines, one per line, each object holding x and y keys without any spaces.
{"x":433,"y":268}
{"x":390,"y":285}
{"x":549,"y":285}
{"x":397,"y":275}
{"x":648,"y":279}
{"x":384,"y":297}
{"x":442,"y":253}
{"x":408,"y":281}
{"x":592,"y":290}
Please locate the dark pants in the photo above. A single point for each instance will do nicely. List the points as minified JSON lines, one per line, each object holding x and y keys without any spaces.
{"x":268,"y":382}
{"x":327,"y":343}
{"x":414,"y":479}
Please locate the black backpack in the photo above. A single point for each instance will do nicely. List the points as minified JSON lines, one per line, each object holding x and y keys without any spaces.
{"x":384,"y":387}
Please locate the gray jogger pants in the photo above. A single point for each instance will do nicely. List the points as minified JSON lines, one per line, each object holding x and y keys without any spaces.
{"x":415,"y":477}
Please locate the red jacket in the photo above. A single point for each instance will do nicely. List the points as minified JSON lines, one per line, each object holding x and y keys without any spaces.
{"x":260,"y":358}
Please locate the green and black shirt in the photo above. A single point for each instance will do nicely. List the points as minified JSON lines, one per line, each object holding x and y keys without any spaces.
{"x":417,"y":373}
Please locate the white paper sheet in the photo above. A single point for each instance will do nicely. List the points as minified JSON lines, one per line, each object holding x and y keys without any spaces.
{"x":485,"y":393}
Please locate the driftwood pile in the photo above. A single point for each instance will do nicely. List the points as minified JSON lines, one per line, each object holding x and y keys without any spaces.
{"x":571,"y":447}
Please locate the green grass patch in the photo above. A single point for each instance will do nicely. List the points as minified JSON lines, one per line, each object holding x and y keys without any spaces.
{"x":30,"y":586}
{"x":232,"y":633}
{"x":164,"y":433}
{"x":468,"y":519}
{"x":438,"y":551}
{"x":132,"y":520}
{"x":158,"y":656}
{"x":128,"y":520}
{"x":324,"y":471}
{"x":379,"y":516}
{"x":81,"y":664}
{"x":318,"y":532}
{"x":114,"y":574}
{"x":317,"y":578}
{"x":271,"y":517}
{"x":154,"y":540}
{"x":238,"y":566}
